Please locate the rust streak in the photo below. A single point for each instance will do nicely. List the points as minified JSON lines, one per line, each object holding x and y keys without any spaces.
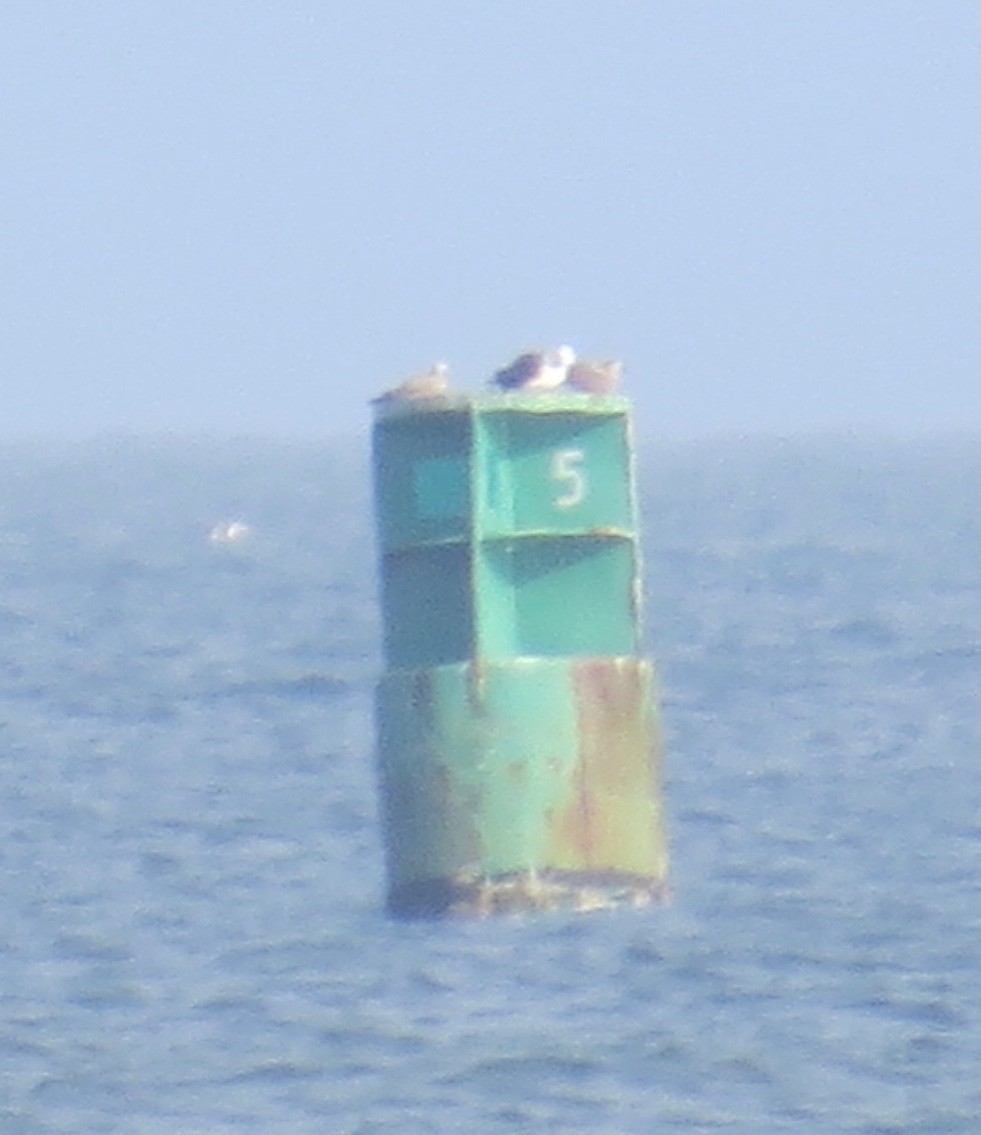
{"x":612,"y":751}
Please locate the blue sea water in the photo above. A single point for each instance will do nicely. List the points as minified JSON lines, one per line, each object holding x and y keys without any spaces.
{"x":192,"y":936}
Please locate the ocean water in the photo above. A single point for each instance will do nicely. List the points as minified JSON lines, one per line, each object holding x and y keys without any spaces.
{"x":192,"y":936}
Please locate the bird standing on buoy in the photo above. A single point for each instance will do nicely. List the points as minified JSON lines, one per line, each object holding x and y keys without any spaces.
{"x":432,"y":383}
{"x":536,"y":370}
{"x":595,"y":377}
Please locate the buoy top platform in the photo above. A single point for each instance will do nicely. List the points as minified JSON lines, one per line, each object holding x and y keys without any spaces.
{"x":530,"y":402}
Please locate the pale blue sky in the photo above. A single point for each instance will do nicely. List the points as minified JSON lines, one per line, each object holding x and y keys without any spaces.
{"x":249,"y":216}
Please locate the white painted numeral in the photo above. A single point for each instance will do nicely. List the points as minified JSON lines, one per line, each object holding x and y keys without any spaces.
{"x":567,"y":471}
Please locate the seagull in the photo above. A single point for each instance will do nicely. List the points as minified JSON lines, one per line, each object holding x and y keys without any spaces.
{"x":432,"y":383}
{"x":595,"y":377}
{"x":230,"y":533}
{"x":537,"y":370}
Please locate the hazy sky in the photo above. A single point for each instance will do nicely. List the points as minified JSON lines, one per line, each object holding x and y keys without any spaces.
{"x":250,"y":216}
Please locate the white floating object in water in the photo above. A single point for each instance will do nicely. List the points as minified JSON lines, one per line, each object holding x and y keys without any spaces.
{"x":232,"y":533}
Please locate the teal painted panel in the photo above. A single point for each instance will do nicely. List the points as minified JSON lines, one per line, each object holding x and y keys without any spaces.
{"x":561,"y":473}
{"x":440,"y":489}
{"x":422,"y":478}
{"x":428,"y":603}
{"x":528,"y":772}
{"x":425,"y":738}
{"x":556,"y":597}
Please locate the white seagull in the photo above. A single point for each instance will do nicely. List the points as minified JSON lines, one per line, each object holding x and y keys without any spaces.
{"x":230,"y":533}
{"x":537,"y":370}
{"x":595,"y":377}
{"x":432,"y":383}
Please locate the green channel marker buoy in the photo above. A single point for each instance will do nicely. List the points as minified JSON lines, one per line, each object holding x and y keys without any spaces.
{"x":518,"y":743}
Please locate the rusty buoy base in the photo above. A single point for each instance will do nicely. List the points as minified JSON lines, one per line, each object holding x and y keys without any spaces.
{"x":530,"y":784}
{"x":525,"y":892}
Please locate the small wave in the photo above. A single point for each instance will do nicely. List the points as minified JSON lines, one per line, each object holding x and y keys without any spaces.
{"x":312,"y":686}
{"x":276,"y":1072}
{"x":533,"y":1067}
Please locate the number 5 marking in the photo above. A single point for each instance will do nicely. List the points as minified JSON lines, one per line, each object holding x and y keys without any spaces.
{"x":567,"y":470}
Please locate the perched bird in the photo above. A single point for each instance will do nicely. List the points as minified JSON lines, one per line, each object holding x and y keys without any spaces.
{"x":432,"y":383}
{"x":595,"y":377}
{"x":537,"y":370}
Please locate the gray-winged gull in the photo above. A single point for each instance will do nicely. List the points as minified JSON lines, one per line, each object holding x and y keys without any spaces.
{"x":432,"y":383}
{"x":596,"y":377}
{"x":536,"y":370}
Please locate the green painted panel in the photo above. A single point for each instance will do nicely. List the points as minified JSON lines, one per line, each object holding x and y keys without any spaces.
{"x":422,"y":478}
{"x":555,"y":597}
{"x":425,"y":737}
{"x":528,"y":763}
{"x":428,"y":602}
{"x":562,"y":473}
{"x":440,"y":489}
